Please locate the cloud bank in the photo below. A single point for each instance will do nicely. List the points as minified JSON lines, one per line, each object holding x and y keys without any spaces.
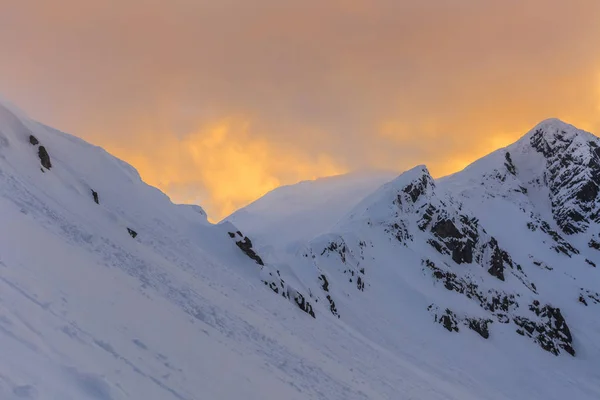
{"x":217,"y":102}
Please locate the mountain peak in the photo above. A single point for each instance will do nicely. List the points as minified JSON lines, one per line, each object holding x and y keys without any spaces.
{"x":552,"y":135}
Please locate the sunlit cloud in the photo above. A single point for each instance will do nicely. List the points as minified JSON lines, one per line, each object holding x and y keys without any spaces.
{"x":219,"y":165}
{"x":218,"y":102}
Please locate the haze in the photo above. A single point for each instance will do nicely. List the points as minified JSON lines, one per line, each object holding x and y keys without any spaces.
{"x":218,"y":102}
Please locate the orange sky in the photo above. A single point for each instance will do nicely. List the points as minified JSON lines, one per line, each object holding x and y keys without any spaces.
{"x":217,"y":102}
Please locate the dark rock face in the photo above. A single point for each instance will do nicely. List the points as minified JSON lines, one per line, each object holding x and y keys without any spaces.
{"x":332,"y":306}
{"x":573,"y":177}
{"x":303,"y":304}
{"x":497,"y":260}
{"x":324,"y":283}
{"x":510,"y":167}
{"x":460,"y":244}
{"x":499,"y":304}
{"x":245,"y":245}
{"x":594,"y":244}
{"x":418,"y":188}
{"x":33,"y":140}
{"x":593,"y":264}
{"x":44,"y":157}
{"x":552,"y":332}
{"x":132,"y":232}
{"x":447,"y":318}
{"x":95,"y":196}
{"x":480,"y":326}
{"x":277,"y":285}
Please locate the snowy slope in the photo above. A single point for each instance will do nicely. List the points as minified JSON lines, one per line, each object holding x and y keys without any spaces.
{"x":179,"y":311}
{"x":297,"y":213}
{"x":133,"y":297}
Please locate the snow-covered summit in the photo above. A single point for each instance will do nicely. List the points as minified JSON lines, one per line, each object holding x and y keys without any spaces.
{"x":506,"y":249}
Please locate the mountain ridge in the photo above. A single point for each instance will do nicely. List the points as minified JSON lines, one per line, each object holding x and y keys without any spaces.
{"x":109,"y":291}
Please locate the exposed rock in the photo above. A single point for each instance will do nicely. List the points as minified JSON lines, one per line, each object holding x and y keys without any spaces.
{"x":95,"y":196}
{"x":510,"y":167}
{"x":573,"y":174}
{"x":497,"y":260}
{"x":44,"y":157}
{"x":33,"y":140}
{"x":324,"y":283}
{"x":460,"y":245}
{"x":446,"y":318}
{"x":594,"y":244}
{"x":132,"y":232}
{"x":332,"y":306}
{"x":246,"y":246}
{"x":552,"y":332}
{"x":418,"y":188}
{"x":303,"y":304}
{"x":497,"y":303}
{"x":480,"y":326}
{"x":593,"y":264}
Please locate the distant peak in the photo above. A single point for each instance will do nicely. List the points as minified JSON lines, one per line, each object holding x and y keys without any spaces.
{"x":415,"y":182}
{"x":551,"y":126}
{"x":413,"y":174}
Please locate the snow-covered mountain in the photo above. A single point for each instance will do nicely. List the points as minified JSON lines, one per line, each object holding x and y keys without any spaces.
{"x":298,"y":213}
{"x":481,"y":285}
{"x":506,"y":249}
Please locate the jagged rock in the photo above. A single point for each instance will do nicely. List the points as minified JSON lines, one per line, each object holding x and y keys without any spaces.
{"x":360,"y":284}
{"x":480,"y":326}
{"x":95,"y":196}
{"x":497,"y":260}
{"x":303,"y":304}
{"x":246,"y":246}
{"x":573,"y":174}
{"x":132,"y":232}
{"x":552,"y":333}
{"x":44,"y":157}
{"x":510,"y":167}
{"x":416,"y":189}
{"x":33,"y":140}
{"x":454,"y":240}
{"x":496,"y":302}
{"x":448,"y":320}
{"x":332,"y":306}
{"x":325,"y":283}
{"x":593,"y":264}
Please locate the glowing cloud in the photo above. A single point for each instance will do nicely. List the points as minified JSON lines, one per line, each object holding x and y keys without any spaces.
{"x":217,"y":102}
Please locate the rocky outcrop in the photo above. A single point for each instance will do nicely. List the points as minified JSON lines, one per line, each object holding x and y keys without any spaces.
{"x":44,"y":157}
{"x":447,"y":318}
{"x":33,"y":140}
{"x":245,"y":244}
{"x":95,"y":196}
{"x":479,"y":325}
{"x":550,"y":331}
{"x":279,"y":286}
{"x":573,"y":166}
{"x":132,"y":233}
